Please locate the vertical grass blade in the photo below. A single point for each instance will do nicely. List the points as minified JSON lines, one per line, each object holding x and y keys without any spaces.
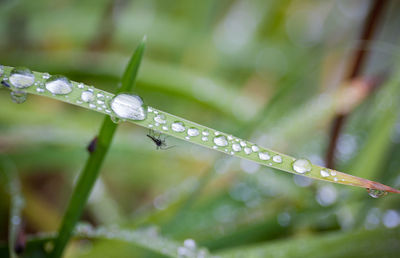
{"x":92,"y":167}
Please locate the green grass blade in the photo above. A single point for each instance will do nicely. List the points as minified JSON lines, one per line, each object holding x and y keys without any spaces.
{"x":92,"y":167}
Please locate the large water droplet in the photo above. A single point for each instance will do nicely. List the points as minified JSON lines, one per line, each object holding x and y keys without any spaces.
{"x":21,"y":78}
{"x":220,"y":141}
{"x":18,"y":96}
{"x":160,"y":119}
{"x":178,"y":127}
{"x":87,"y":96}
{"x":277,"y":159}
{"x":193,"y":132}
{"x":58,"y":85}
{"x":129,"y":106}
{"x":302,"y":166}
{"x":236,"y":147}
{"x":264,"y":156}
{"x":374,"y":193}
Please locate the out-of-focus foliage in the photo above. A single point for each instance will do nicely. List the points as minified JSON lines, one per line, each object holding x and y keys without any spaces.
{"x":264,"y":66}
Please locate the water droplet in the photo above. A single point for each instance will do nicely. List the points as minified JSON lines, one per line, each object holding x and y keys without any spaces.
{"x":247,"y":150}
{"x":178,"y":126}
{"x":100,"y":102}
{"x":193,"y":132}
{"x":205,"y":132}
{"x":18,"y":96}
{"x":204,"y":138}
{"x":160,"y":119}
{"x":333,"y":173}
{"x":129,"y":106}
{"x":220,"y":141}
{"x":21,"y":78}
{"x":277,"y":159}
{"x":374,"y":193}
{"x":40,"y":90}
{"x":165,"y":128}
{"x":81,"y":86}
{"x":236,"y":147}
{"x":242,"y":143}
{"x":264,"y":156}
{"x":149,"y":109}
{"x":230,"y":137}
{"x":115,"y":119}
{"x":190,"y":244}
{"x":1,"y":70}
{"x":255,"y":148}
{"x":87,"y":96}
{"x":46,"y":76}
{"x":100,"y":96}
{"x":335,"y":179}
{"x":302,"y":166}
{"x":324,"y":173}
{"x":216,"y":133}
{"x":58,"y":85}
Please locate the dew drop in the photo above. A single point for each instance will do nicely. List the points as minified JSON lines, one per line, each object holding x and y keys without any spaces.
{"x":21,"y":78}
{"x":205,"y":132}
{"x":160,"y":119}
{"x":333,"y":173}
{"x":255,"y":148}
{"x":242,"y":143}
{"x":58,"y":85}
{"x":1,"y":70}
{"x":374,"y":193}
{"x":204,"y":138}
{"x":236,"y":147}
{"x":87,"y":96}
{"x":18,"y":97}
{"x":277,"y":159}
{"x":264,"y":155}
{"x":115,"y":119}
{"x":178,"y":127}
{"x":81,"y":86}
{"x":302,"y":166}
{"x":220,"y":141}
{"x":165,"y":128}
{"x":40,"y":90}
{"x":247,"y":150}
{"x":193,"y":131}
{"x":190,"y":244}
{"x":100,"y":96}
{"x":129,"y":106}
{"x":324,"y":173}
{"x":100,"y":102}
{"x":230,"y":137}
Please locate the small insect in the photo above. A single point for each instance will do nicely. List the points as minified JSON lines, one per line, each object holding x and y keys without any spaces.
{"x":160,"y":142}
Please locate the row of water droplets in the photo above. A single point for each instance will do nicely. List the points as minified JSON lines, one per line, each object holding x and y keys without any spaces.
{"x":131,"y":107}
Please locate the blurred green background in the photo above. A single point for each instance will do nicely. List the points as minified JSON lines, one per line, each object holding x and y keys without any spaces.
{"x":274,"y":72}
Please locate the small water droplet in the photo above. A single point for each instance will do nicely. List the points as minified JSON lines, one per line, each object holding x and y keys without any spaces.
{"x":236,"y":147}
{"x":220,"y":141}
{"x":87,"y":96}
{"x":247,"y":150}
{"x":92,"y":105}
{"x":335,"y":179}
{"x":178,"y":127}
{"x":46,"y":76}
{"x":149,"y":109}
{"x":18,"y":96}
{"x":100,"y":95}
{"x":190,"y":244}
{"x":216,"y":133}
{"x":1,"y":70}
{"x":40,"y":90}
{"x":160,"y":119}
{"x":242,"y":143}
{"x":324,"y":173}
{"x":81,"y":86}
{"x":205,"y":132}
{"x":204,"y":138}
{"x":277,"y":159}
{"x":264,"y":155}
{"x":302,"y":166}
{"x":230,"y":137}
{"x":129,"y":106}
{"x":100,"y":102}
{"x":374,"y":193}
{"x":255,"y":148}
{"x":193,"y":131}
{"x":165,"y":128}
{"x":21,"y":77}
{"x":58,"y":85}
{"x":115,"y":119}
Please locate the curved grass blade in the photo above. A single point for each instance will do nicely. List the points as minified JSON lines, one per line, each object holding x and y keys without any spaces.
{"x":210,"y":138}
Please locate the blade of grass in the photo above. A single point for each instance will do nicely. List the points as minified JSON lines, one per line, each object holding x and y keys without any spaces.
{"x":92,"y":167}
{"x":16,"y":205}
